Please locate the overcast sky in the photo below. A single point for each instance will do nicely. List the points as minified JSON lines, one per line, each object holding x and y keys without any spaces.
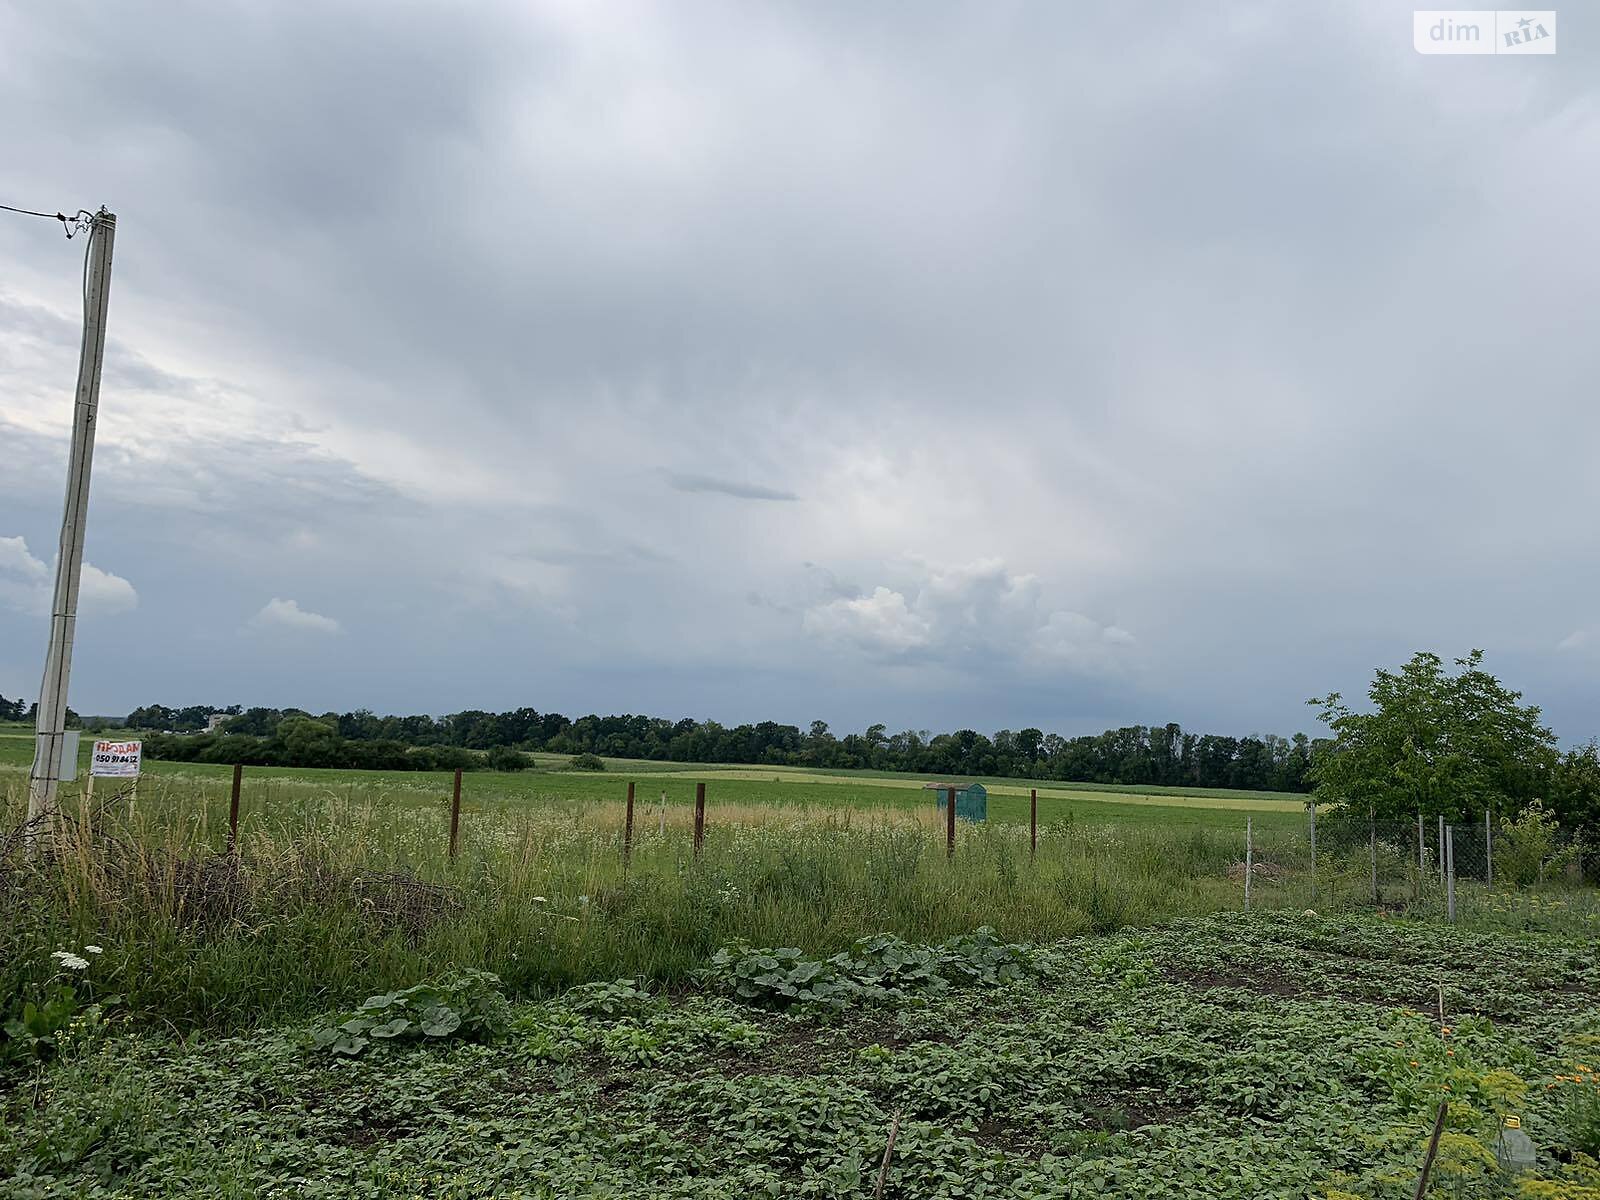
{"x":938,"y":364}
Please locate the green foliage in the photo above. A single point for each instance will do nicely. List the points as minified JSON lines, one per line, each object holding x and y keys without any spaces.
{"x":1229,"y":1058}
{"x":34,"y":1031}
{"x":587,"y":762}
{"x":467,"y":1004}
{"x":39,"y":1026}
{"x":778,"y":978}
{"x":1575,"y":791}
{"x":883,"y":968}
{"x":1134,"y":755}
{"x":1435,"y":743}
{"x":983,"y":958}
{"x":1529,"y":847}
{"x":618,"y":998}
{"x":1580,"y":1116}
{"x":506,"y":758}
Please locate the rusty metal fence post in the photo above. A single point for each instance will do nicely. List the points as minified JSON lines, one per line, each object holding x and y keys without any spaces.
{"x":627,"y":826}
{"x":1033,"y":821}
{"x":455,"y":814}
{"x":699,"y":818}
{"x":950,"y":823}
{"x":233,"y":809}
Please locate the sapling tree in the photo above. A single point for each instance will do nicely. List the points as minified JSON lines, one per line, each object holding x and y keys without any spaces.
{"x":1436,"y":742}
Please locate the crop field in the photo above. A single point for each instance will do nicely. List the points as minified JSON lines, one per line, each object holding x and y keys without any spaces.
{"x":1252,"y":1057}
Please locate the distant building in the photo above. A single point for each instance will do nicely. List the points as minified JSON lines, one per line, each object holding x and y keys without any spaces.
{"x":214,"y":722}
{"x":972,"y":801}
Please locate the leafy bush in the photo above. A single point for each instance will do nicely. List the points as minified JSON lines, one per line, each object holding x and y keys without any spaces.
{"x":587,"y":762}
{"x":37,"y":1029}
{"x":1528,"y":850}
{"x":303,"y":742}
{"x":467,"y":1005}
{"x":779,"y":977}
{"x":1580,"y":1115}
{"x":981,"y":957}
{"x":618,"y":998}
{"x":880,"y":968}
{"x":505,"y":758}
{"x":890,"y":966}
{"x":34,"y":1031}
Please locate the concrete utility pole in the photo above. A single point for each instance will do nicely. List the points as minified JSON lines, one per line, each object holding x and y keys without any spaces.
{"x":52,"y":724}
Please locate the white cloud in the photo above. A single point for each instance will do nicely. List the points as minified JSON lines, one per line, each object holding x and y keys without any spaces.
{"x":974,"y":323}
{"x":24,"y":579}
{"x":26,"y":583}
{"x":881,"y":623}
{"x":287,"y":614}
{"x":102,"y":593}
{"x":978,"y":614}
{"x":1578,"y":639}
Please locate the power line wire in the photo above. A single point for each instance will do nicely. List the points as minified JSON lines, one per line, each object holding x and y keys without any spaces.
{"x":75,"y":224}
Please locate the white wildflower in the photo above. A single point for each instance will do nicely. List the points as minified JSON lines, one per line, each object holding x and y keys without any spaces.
{"x":93,"y":950}
{"x":71,"y":961}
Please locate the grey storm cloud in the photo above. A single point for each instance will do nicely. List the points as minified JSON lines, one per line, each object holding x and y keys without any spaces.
{"x":1176,"y":363}
{"x":727,"y":487}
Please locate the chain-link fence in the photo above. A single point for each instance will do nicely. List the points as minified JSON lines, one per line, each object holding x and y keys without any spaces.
{"x":1423,"y":865}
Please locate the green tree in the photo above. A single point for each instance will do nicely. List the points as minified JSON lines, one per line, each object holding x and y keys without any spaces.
{"x":1436,"y":742}
{"x":309,"y":742}
{"x":507,"y":758}
{"x":1575,"y":790}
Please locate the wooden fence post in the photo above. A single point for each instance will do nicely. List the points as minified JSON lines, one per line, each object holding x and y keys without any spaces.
{"x":233,"y":809}
{"x":888,"y":1150}
{"x":455,"y":813}
{"x":1033,"y":821}
{"x":699,"y":818}
{"x":950,"y":823}
{"x":627,"y":826}
{"x":1433,"y":1151}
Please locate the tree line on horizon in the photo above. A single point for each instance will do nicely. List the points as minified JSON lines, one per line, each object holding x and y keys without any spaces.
{"x":1434,"y":740}
{"x":1159,"y":755}
{"x":16,"y":710}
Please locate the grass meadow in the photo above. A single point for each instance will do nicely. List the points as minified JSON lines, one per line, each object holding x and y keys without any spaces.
{"x":550,"y":784}
{"x":342,"y":883}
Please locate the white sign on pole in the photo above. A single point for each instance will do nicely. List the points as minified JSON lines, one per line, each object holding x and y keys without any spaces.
{"x":118,"y":759}
{"x":69,"y":756}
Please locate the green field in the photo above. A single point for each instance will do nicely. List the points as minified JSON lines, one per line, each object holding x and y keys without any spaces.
{"x":742,"y":785}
